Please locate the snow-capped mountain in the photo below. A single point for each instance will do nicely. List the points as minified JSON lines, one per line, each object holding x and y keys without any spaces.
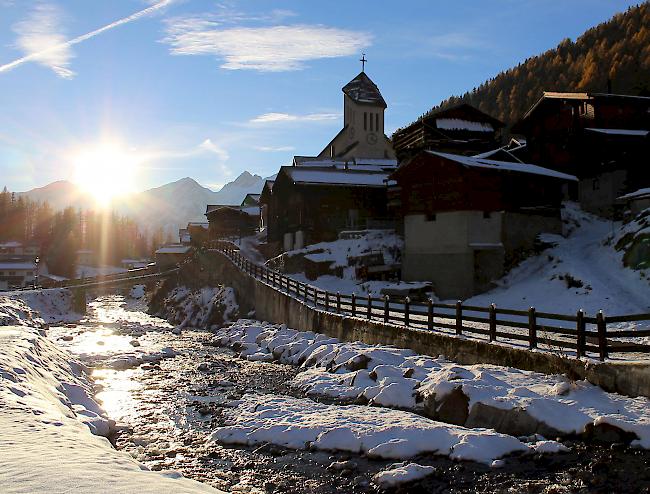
{"x":169,"y":206}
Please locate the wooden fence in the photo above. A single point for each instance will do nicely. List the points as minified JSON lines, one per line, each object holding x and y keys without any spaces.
{"x":580,"y":334}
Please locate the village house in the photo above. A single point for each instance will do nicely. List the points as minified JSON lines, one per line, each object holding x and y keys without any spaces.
{"x":461,"y":129}
{"x":184,"y":236}
{"x":232,"y":221}
{"x":467,"y":219}
{"x":636,"y":201}
{"x":170,"y":255}
{"x":603,"y":139}
{"x":198,"y":231}
{"x":17,"y":273}
{"x":343,"y":187}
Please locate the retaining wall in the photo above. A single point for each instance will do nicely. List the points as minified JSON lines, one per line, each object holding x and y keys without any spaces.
{"x":628,"y":378}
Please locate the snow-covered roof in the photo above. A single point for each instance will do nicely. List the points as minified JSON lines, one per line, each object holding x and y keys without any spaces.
{"x":366,"y":164}
{"x":362,"y":90}
{"x":17,"y":266}
{"x":250,"y":210}
{"x":637,"y":194}
{"x":504,"y":165}
{"x":306,"y":175}
{"x":174,"y":249}
{"x":461,"y":124}
{"x":621,"y":132}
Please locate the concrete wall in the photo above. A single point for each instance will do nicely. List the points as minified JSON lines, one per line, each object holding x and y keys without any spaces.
{"x":521,"y":230}
{"x":598,"y":194}
{"x":444,"y":250}
{"x":632,"y":379}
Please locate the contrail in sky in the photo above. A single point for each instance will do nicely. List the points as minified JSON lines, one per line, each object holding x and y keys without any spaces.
{"x":84,"y":37}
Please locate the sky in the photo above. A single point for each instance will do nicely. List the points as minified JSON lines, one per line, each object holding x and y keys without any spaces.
{"x":208,"y":89}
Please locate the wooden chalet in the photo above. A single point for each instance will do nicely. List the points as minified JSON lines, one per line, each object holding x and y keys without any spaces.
{"x":231,"y":221}
{"x":198,"y":231}
{"x":603,"y":139}
{"x":461,"y":129}
{"x":467,"y":219}
{"x":310,"y":204}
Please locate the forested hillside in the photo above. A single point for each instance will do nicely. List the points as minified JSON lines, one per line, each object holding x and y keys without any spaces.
{"x":618,"y":50}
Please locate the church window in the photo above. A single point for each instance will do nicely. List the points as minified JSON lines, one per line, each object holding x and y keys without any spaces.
{"x":377,"y":121}
{"x":365,"y":120}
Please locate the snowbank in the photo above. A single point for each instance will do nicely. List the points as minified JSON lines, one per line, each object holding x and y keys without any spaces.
{"x":201,"y":308}
{"x":507,"y":399}
{"x":377,"y":432}
{"x":47,"y":421}
{"x":54,"y":305}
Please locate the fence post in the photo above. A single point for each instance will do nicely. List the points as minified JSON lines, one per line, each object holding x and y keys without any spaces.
{"x":430,"y":314}
{"x":369,"y":306}
{"x":327,"y":301}
{"x":532,"y":328}
{"x":304,"y":295}
{"x":316,"y":297}
{"x":493,"y":322}
{"x":338,"y":302}
{"x":580,"y":332}
{"x":602,"y":334}
{"x":407,"y":310}
{"x":353,"y":303}
{"x":459,"y":318}
{"x":386,"y":308}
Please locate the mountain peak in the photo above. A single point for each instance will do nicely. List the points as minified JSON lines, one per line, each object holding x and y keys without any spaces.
{"x":245,"y":179}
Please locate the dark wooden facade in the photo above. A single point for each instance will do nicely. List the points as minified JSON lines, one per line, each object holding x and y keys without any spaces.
{"x":321,"y":210}
{"x":430,"y":184}
{"x":557,"y":136}
{"x":425,"y":133}
{"x":230,"y":221}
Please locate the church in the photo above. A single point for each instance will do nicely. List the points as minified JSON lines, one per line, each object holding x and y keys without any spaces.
{"x":341,"y":188}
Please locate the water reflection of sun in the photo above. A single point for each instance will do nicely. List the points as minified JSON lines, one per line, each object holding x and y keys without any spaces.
{"x":117,"y":397}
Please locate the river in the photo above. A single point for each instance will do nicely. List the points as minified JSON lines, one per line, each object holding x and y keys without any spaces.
{"x":167,"y":393}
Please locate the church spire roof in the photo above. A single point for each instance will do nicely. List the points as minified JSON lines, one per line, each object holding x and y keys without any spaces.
{"x":362,"y":90}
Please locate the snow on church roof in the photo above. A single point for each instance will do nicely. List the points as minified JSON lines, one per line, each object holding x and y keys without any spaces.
{"x":362,"y":90}
{"x":504,"y":165}
{"x":306,"y":175}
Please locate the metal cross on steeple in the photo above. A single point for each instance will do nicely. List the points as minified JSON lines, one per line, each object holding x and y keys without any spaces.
{"x":363,"y":62}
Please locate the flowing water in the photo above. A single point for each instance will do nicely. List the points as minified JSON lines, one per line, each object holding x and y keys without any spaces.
{"x":167,"y":393}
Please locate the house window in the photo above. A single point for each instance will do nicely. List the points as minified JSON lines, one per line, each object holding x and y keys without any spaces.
{"x":486,"y":215}
{"x":365,"y":120}
{"x":595,"y":185}
{"x":12,"y":273}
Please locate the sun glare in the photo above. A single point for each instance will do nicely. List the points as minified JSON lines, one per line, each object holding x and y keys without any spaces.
{"x":105,"y":171}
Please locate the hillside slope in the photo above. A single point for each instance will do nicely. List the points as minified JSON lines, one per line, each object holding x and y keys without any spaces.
{"x":618,"y":50}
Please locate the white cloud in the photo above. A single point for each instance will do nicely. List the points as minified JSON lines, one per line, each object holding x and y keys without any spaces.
{"x":269,"y":118}
{"x":275,"y":149}
{"x":211,"y":147}
{"x":40,"y":38}
{"x":267,"y":49}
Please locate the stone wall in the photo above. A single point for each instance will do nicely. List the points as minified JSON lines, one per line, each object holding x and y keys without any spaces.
{"x":632,"y":379}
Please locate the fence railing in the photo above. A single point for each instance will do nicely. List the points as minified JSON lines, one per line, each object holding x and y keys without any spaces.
{"x":580,"y":334}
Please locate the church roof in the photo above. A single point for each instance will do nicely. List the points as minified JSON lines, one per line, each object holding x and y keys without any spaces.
{"x":362,"y":90}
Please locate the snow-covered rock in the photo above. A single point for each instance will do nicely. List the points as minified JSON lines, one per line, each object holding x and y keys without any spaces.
{"x":200,"y":308}
{"x":509,"y":400}
{"x":377,"y":432}
{"x":53,"y":305}
{"x":402,"y":473}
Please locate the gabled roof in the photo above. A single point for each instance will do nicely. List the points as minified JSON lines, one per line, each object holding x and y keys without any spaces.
{"x":213,"y":207}
{"x":248,"y":210}
{"x":361,"y":89}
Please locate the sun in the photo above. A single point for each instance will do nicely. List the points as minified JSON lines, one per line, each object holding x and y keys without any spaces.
{"x":105,"y":171}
